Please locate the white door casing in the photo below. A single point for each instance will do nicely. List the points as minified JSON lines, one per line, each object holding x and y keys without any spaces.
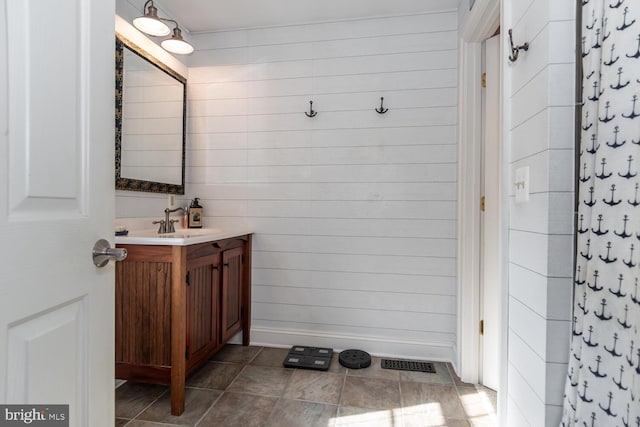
{"x":56,"y":201}
{"x":478,"y":25}
{"x":491,"y":218}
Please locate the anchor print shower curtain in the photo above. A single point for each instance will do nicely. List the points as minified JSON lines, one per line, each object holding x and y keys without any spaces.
{"x":603,"y":381}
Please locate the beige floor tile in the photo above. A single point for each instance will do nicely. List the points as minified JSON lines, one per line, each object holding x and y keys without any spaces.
{"x":492,"y":397}
{"x":433,"y":400}
{"x":235,"y":409}
{"x":375,"y":371}
{"x":295,"y":413}
{"x":215,"y":375}
{"x":484,"y":421}
{"x":424,"y":420}
{"x":132,"y":398}
{"x":271,"y":357}
{"x":371,"y":393}
{"x":441,"y":376}
{"x":257,"y":387}
{"x":136,"y":423}
{"x":456,"y":379}
{"x":336,"y":367}
{"x":314,"y":386}
{"x":476,"y":403}
{"x":197,"y":401}
{"x":261,"y":380}
{"x":349,"y":416}
{"x":234,"y":353}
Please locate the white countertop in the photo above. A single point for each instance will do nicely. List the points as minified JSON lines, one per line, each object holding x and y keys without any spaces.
{"x":181,"y":237}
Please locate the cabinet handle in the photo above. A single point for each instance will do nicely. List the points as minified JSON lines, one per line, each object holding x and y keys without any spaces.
{"x":226,"y":264}
{"x":216,"y":245}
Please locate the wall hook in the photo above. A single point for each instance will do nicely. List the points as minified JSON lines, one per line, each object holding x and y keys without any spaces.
{"x":381,"y":110}
{"x":515,"y":50}
{"x":311,"y":113}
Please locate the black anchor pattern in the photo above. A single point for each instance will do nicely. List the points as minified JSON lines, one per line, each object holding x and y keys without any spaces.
{"x":603,"y":376}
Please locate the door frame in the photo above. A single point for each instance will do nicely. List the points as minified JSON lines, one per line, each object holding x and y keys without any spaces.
{"x":480,"y":25}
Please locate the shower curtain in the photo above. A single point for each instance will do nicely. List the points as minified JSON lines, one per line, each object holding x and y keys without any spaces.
{"x":603,"y":381}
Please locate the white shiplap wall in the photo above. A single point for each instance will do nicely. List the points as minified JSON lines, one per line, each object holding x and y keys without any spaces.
{"x":541,"y":109}
{"x":354,"y":212}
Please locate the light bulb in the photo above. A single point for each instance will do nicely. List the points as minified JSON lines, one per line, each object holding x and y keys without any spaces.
{"x":151,"y":24}
{"x":176,"y":43}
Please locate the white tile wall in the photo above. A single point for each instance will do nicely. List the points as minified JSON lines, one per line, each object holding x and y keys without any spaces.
{"x":354,"y":211}
{"x":541,"y":231}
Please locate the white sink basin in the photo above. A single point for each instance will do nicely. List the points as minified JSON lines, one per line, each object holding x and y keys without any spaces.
{"x":182,"y":233}
{"x":180,"y":237}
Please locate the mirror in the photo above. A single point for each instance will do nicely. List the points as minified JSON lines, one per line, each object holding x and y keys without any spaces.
{"x":150,"y":122}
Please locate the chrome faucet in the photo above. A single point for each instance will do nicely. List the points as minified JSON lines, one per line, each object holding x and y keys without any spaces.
{"x":166,"y":224}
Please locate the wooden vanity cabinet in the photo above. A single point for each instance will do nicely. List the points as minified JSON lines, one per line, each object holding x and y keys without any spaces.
{"x":203,"y":307}
{"x":232,"y":278}
{"x":178,"y":305}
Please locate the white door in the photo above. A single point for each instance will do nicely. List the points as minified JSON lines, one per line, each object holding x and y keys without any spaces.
{"x":490,"y":221}
{"x":56,"y":200}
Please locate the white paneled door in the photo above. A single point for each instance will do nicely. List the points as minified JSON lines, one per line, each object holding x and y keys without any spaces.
{"x":56,"y":201}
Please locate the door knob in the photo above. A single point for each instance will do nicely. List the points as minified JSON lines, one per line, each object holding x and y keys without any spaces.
{"x":103,"y":252}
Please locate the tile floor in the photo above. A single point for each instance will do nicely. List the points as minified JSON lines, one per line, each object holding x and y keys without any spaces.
{"x":248,"y":386}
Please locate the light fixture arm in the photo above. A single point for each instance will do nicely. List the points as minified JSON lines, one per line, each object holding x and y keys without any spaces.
{"x":169,"y":20}
{"x":175,"y":43}
{"x":144,"y":8}
{"x":154,"y":13}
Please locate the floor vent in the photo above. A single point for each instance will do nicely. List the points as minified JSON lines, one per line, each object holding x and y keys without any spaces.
{"x":408,"y":365}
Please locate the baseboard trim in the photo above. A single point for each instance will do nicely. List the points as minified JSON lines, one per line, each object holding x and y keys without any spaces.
{"x":377,"y":346}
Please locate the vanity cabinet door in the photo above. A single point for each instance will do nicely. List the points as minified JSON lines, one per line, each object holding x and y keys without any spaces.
{"x":203,"y":290}
{"x":232,"y":280}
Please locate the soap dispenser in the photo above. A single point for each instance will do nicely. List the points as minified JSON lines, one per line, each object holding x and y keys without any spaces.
{"x":195,"y":214}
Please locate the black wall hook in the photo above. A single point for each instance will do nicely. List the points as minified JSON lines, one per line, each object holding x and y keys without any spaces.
{"x":311,"y":113}
{"x":381,"y":110}
{"x":515,"y":50}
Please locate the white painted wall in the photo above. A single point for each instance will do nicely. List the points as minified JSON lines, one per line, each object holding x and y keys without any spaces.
{"x":354,"y":212}
{"x":540,"y":104}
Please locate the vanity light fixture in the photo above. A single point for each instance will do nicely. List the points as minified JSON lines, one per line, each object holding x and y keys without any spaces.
{"x":176,"y":43}
{"x":150,"y":23}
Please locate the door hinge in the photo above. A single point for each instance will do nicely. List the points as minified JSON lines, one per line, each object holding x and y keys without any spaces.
{"x":484,"y":79}
{"x":482,"y":327}
{"x":188,"y":278}
{"x":482,"y":204}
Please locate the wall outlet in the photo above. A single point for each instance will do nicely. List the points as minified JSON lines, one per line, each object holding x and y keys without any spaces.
{"x":172,"y":201}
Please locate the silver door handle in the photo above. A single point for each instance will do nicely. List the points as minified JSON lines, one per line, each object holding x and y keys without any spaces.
{"x":103,"y":252}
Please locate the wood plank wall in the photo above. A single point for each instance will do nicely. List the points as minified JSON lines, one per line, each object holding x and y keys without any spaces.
{"x":354,"y":212}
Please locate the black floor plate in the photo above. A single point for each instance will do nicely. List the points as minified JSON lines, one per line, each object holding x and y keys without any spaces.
{"x":408,"y":365}
{"x":308,"y":358}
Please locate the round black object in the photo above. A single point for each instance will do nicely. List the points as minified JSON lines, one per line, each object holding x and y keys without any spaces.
{"x":355,"y":359}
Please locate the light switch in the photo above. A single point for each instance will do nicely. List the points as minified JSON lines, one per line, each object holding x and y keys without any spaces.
{"x":522,"y":184}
